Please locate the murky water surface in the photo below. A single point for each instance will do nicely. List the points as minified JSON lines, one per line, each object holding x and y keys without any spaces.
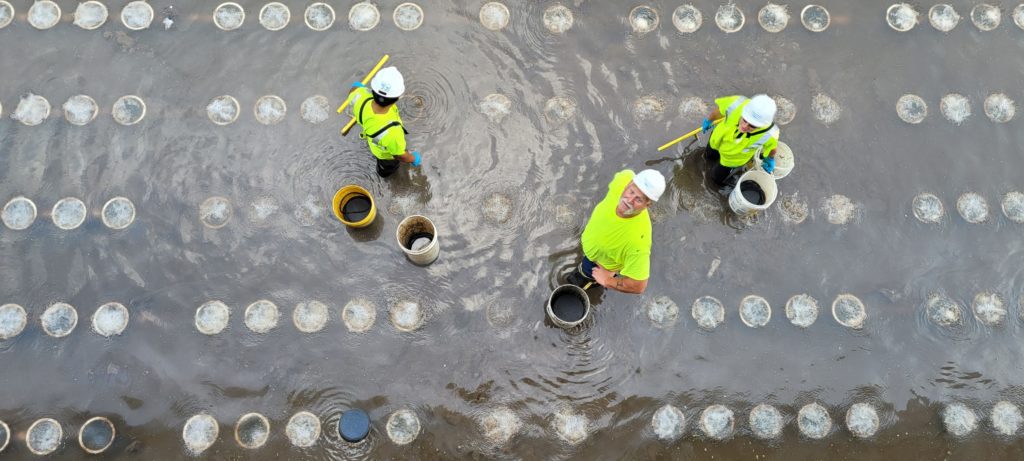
{"x":458,"y":354}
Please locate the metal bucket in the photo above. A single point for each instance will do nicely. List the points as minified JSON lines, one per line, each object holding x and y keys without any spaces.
{"x":412,"y":234}
{"x":568,"y":306}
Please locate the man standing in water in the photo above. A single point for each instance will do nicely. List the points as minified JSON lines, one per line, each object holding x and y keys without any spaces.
{"x":748,"y":128}
{"x":377,"y":114}
{"x":617,"y":239}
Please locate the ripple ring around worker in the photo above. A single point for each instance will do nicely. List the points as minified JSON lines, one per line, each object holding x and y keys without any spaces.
{"x":432,"y":103}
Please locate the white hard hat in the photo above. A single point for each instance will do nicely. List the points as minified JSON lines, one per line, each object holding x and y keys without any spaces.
{"x":651,"y":183}
{"x":760,"y":111}
{"x":388,"y":82}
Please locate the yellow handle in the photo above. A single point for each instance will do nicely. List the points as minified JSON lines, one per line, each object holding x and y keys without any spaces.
{"x":687,"y":135}
{"x":348,"y":127}
{"x":367,"y":79}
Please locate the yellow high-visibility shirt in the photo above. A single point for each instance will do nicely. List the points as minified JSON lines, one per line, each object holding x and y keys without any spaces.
{"x":620,"y":245}
{"x":735,"y":148}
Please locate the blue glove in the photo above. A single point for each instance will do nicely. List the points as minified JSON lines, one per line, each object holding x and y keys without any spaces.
{"x":417,"y":159}
{"x":768,"y":164}
{"x":358,"y":85}
{"x":705,"y":125}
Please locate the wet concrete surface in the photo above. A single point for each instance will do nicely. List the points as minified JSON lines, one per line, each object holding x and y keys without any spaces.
{"x":456,"y":367}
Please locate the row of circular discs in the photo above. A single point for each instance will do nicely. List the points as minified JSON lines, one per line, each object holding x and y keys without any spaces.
{"x":45,"y":14}
{"x":68,"y":213}
{"x":501,"y":424}
{"x":79,"y":110}
{"x":972,"y":206}
{"x":956,"y":108}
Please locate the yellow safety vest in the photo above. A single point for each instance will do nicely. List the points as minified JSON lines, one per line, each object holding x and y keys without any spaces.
{"x":734,"y":147}
{"x":384,"y":133}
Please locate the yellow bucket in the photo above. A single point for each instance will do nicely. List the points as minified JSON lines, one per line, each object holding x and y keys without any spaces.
{"x":342,"y":198}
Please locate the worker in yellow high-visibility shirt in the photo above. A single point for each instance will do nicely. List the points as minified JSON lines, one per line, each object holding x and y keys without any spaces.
{"x":748,"y":129}
{"x":376,"y":113}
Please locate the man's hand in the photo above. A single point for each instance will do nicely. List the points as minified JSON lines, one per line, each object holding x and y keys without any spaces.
{"x":604,"y":277}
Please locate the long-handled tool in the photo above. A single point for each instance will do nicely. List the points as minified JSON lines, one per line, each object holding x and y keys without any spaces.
{"x":687,"y":135}
{"x":351,"y":123}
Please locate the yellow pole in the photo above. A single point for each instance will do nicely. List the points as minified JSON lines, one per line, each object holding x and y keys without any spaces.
{"x":367,"y":79}
{"x":687,"y":135}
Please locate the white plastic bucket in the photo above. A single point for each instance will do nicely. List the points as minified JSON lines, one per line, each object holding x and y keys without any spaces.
{"x":740,"y":205}
{"x":408,"y":230}
{"x":784,"y":161}
{"x":576,"y":298}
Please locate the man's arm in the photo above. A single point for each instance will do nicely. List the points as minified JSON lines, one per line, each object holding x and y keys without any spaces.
{"x":618,"y":282}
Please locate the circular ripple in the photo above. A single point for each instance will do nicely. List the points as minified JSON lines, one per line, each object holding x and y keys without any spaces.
{"x":815,"y":18}
{"x":270,"y":110}
{"x":303,"y":429}
{"x":223,"y":110}
{"x":261,"y":316}
{"x":943,"y":311}
{"x":96,"y":435}
{"x":911,"y":108}
{"x":118,"y":213}
{"x":274,"y":16}
{"x":928,"y":208}
{"x":862,"y":420}
{"x":91,"y":15}
{"x":137,"y":15}
{"x":687,"y":18}
{"x":315,"y":109}
{"x":494,"y":16}
{"x":662,"y":311}
{"x":319,"y":16}
{"x":68,"y":213}
{"x":12,"y":320}
{"x":44,"y":14}
{"x":643,"y":19}
{"x":310,"y":317}
{"x":6,"y":14}
{"x":986,"y":17}
{"x":495,"y":107}
{"x":80,"y":109}
{"x":943,"y":17}
{"x":558,"y":19}
{"x":901,"y":17}
{"x":825,"y":109}
{"x":359,"y":315}
{"x":802,"y":310}
{"x":755,"y":312}
{"x":849,"y":311}
{"x":228,"y":16}
{"x":794,"y":209}
{"x":1013,"y":207}
{"x":717,"y":422}
{"x":708,"y":312}
{"x":212,"y":317}
{"x":766,"y":422}
{"x":199,"y":433}
{"x":1000,"y":108}
{"x":406,"y":315}
{"x":814,"y":421}
{"x":215,"y":212}
{"x":19,"y":213}
{"x":408,"y":16}
{"x":955,"y":107}
{"x":252,"y":430}
{"x":1006,"y":418}
{"x":129,"y":110}
{"x":668,"y":423}
{"x":571,"y":427}
{"x":773,"y":18}
{"x":559,"y":110}
{"x":403,"y":427}
{"x":989,"y":309}
{"x":839,"y":209}
{"x":59,"y":320}
{"x":730,"y":18}
{"x":972,"y":207}
{"x":44,"y":436}
{"x":499,"y":425}
{"x":959,"y":419}
{"x":32,"y":109}
{"x":110,"y":319}
{"x":363,"y":16}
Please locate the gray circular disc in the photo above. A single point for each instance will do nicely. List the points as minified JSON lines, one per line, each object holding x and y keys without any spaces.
{"x":943,"y":17}
{"x":13,"y":320}
{"x":6,"y":13}
{"x":274,"y":16}
{"x":570,"y":426}
{"x":80,"y":109}
{"x":44,"y":14}
{"x":261,"y":316}
{"x":668,"y":423}
{"x":228,"y":16}
{"x":956,"y":108}
{"x":406,"y":315}
{"x":989,"y":309}
{"x":986,"y":17}
{"x":717,"y":422}
{"x":1000,"y":108}
{"x":494,"y":16}
{"x":1013,"y":206}
{"x":118,"y":213}
{"x":32,"y":109}
{"x":137,"y":15}
{"x":901,"y":17}
{"x":215,"y":212}
{"x":319,"y":16}
{"x":928,"y":208}
{"x":359,"y":315}
{"x":363,"y":16}
{"x":730,"y":18}
{"x":5,"y":435}
{"x":755,"y":312}
{"x":766,"y":422}
{"x":959,"y":419}
{"x":495,"y":107}
{"x":559,"y":110}
{"x":68,"y":213}
{"x":403,"y":427}
{"x":499,"y":425}
{"x":839,"y":209}
{"x":972,"y":207}
{"x":687,"y":18}
{"x":911,"y":108}
{"x":59,"y":320}
{"x":408,"y":16}
{"x":310,"y":317}
{"x":558,"y":19}
{"x":708,"y":312}
{"x":252,"y":430}
{"x":90,"y":15}
{"x":1006,"y":418}
{"x":815,"y":18}
{"x":96,"y":435}
{"x":223,"y":110}
{"x":849,"y":311}
{"x":212,"y":317}
{"x":19,"y":213}
{"x":270,"y":109}
{"x":773,"y":18}
{"x":315,"y":109}
{"x":199,"y":433}
{"x":943,"y":311}
{"x":110,"y":319}
{"x":862,"y":420}
{"x":662,"y":311}
{"x":129,"y":110}
{"x":814,"y":421}
{"x":825,"y":109}
{"x":303,"y":429}
{"x":802,"y":310}
{"x":44,"y":436}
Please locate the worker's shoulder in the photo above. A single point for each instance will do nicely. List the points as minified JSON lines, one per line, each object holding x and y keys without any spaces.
{"x":775,"y":132}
